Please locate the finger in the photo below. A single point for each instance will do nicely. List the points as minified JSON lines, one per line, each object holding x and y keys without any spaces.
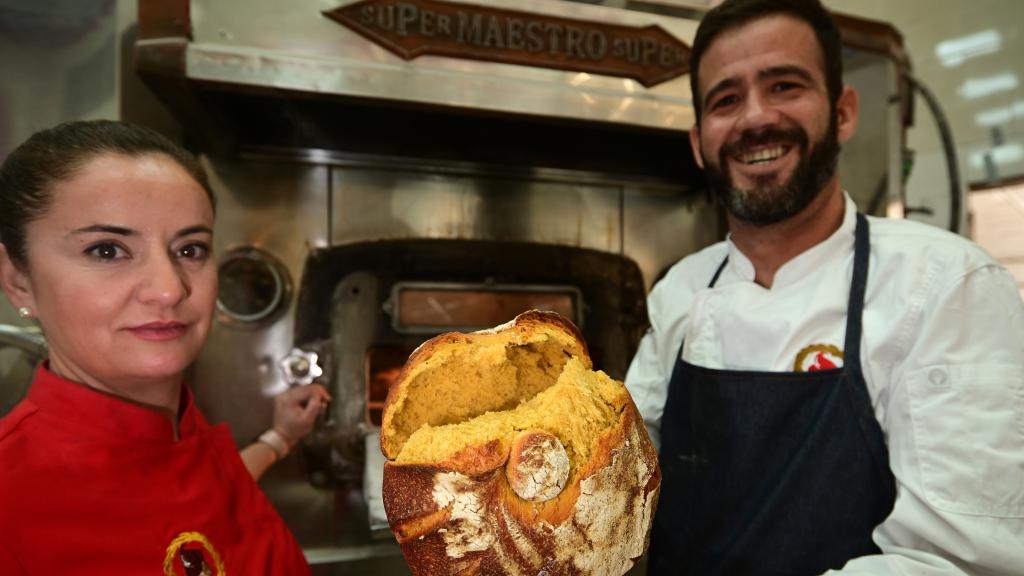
{"x":312,"y":409}
{"x":321,"y":392}
{"x":300,"y":395}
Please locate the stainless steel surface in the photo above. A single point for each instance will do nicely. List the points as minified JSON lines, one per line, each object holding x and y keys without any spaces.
{"x":291,"y":45}
{"x":22,"y":348}
{"x":370,"y":205}
{"x":28,"y":339}
{"x":659,"y":229}
{"x":279,"y":208}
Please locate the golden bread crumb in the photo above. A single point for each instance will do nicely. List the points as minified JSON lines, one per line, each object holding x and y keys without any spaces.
{"x":576,"y":409}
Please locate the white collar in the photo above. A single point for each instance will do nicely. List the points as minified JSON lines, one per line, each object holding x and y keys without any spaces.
{"x":807,"y":261}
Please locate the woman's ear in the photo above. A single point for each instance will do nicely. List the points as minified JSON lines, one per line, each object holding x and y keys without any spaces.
{"x":15,"y":282}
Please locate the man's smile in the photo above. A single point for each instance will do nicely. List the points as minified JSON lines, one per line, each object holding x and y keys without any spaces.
{"x":764,"y":155}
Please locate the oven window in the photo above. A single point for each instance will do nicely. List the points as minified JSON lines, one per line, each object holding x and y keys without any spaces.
{"x":383,"y":365}
{"x":427,"y":308}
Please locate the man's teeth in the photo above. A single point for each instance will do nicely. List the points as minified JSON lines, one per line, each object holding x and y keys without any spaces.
{"x":763,"y":156}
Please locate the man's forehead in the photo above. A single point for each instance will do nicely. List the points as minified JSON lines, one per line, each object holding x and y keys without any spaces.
{"x":761,"y":44}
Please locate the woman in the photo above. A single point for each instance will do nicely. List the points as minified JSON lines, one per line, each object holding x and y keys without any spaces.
{"x":107,"y":467}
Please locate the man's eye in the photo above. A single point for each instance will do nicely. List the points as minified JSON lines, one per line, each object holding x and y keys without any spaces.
{"x":783,"y":86}
{"x":724,"y":101}
{"x":106,"y":251}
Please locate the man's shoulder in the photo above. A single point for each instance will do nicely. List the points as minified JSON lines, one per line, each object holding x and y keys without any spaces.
{"x":909,"y":239}
{"x":694,"y":270}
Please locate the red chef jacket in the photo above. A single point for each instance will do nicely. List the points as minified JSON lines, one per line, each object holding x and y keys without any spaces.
{"x":90,"y":484}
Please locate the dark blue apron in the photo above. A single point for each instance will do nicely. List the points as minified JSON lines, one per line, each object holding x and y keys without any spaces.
{"x":772,"y":473}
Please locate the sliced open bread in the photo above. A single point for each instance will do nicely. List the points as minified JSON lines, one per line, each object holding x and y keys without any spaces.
{"x":508,"y":454}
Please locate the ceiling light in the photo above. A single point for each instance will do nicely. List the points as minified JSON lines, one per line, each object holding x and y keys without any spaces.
{"x":953,"y":52}
{"x":980,"y":87}
{"x":997,"y":116}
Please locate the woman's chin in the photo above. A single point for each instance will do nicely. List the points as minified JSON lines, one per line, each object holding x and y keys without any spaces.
{"x":170,"y":370}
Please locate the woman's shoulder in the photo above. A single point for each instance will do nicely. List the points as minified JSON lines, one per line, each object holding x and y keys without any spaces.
{"x":20,"y":443}
{"x":14,"y":426}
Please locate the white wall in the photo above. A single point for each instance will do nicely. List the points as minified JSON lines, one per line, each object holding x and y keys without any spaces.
{"x":924,"y":25}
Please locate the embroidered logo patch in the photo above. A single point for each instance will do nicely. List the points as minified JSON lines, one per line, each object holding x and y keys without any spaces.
{"x":191,"y":554}
{"x":818,"y":357}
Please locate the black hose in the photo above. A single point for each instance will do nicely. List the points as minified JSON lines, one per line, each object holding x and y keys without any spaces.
{"x":948,"y":147}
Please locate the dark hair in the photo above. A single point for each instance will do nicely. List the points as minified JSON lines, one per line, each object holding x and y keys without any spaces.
{"x":50,"y":156}
{"x":734,"y":13}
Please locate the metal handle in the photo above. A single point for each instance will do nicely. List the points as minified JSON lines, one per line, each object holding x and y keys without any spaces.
{"x":26,"y":338}
{"x":301,"y":367}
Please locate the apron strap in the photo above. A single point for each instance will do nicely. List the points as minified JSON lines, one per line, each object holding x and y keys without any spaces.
{"x":858,"y":286}
{"x":718,"y":272}
{"x":856,"y":386}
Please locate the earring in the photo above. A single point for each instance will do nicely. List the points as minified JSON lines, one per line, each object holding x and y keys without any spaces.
{"x":24,"y":312}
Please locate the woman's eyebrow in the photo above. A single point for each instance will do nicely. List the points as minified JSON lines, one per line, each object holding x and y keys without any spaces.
{"x":197,"y":229}
{"x":105,"y":228}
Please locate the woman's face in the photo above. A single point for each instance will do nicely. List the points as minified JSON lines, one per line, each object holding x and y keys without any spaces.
{"x":120,"y":273}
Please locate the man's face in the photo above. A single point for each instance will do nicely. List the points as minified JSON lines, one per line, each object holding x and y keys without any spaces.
{"x":769,"y":136}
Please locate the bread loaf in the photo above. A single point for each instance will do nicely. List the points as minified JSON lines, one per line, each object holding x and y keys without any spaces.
{"x":508,"y":454}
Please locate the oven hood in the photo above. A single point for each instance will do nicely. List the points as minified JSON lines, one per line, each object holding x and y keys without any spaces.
{"x":272,"y":78}
{"x":295,"y":47}
{"x":265,"y":75}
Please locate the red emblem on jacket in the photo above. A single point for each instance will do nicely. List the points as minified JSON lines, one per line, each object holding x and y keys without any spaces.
{"x":818,"y":357}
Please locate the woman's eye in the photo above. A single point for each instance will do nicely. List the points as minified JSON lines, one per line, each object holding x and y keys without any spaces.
{"x":196,"y":251}
{"x":106,"y":251}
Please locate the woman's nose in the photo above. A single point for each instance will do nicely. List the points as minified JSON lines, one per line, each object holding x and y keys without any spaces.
{"x":163,"y":281}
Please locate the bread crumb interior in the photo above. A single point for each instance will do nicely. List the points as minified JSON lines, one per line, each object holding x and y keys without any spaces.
{"x":534,"y":390}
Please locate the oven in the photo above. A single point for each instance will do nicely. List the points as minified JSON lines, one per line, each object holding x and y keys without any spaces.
{"x":367,"y":202}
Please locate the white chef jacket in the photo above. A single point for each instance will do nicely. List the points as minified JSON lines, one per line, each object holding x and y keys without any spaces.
{"x":943,"y":357}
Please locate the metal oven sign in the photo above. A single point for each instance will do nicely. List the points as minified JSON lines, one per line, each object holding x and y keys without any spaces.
{"x":412,"y":28}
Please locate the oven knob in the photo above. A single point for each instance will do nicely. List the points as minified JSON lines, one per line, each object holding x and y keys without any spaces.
{"x":300,"y":367}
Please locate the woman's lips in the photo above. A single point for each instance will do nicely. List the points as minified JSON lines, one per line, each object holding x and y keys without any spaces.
{"x":158,"y":331}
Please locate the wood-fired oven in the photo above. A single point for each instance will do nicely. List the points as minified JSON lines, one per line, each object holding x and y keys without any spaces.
{"x":367,"y":201}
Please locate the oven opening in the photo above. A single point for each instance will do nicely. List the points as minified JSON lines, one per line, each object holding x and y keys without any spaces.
{"x":383,"y":365}
{"x":426,"y":308}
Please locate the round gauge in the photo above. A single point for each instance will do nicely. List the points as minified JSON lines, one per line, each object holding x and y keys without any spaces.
{"x":254,"y":286}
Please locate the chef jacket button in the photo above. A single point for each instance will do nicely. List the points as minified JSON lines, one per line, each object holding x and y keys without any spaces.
{"x":937,"y":376}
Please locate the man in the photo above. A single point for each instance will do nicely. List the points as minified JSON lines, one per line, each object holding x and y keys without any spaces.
{"x":831,"y":392}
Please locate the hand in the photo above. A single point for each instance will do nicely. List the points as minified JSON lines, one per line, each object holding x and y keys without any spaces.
{"x":296,"y":410}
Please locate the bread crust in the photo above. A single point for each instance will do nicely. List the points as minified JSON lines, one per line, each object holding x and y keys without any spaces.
{"x":538,"y":466}
{"x":462,"y":516}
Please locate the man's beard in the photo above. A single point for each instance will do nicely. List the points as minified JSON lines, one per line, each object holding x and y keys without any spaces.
{"x":765,"y":204}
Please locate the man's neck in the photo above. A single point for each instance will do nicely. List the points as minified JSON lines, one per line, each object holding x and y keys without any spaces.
{"x":769,"y":247}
